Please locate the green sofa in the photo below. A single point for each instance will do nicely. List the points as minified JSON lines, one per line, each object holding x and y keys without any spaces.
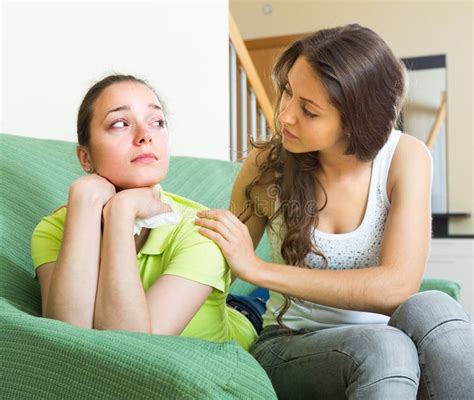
{"x":47,"y":359}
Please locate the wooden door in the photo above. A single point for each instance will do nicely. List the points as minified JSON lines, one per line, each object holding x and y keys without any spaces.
{"x":264,"y":53}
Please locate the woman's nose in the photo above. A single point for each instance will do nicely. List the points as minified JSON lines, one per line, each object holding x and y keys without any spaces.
{"x":142,"y":135}
{"x":286,"y":115}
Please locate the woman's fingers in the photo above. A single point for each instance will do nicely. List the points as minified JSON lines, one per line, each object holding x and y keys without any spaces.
{"x":215,"y":236}
{"x":233,"y":238}
{"x":224,"y":221}
{"x":221,"y":215}
{"x":216,"y":214}
{"x":216,"y":226}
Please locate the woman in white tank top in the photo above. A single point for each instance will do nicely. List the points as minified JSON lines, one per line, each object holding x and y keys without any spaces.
{"x":345,"y":200}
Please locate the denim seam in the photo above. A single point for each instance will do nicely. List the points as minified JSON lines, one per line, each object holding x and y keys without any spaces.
{"x":277,"y":355}
{"x":313,"y":354}
{"x":348,"y":356}
{"x":425,"y":381}
{"x":387,"y":377}
{"x":436,"y":327}
{"x":372,"y":383}
{"x":357,"y":364}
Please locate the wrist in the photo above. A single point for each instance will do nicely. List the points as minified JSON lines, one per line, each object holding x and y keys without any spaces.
{"x":84,"y":197}
{"x":257,"y":273}
{"x":119,"y":207}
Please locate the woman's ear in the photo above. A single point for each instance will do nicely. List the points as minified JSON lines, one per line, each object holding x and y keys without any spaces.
{"x":85,"y":159}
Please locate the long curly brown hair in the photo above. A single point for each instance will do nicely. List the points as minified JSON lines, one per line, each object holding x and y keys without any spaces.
{"x":367,"y":84}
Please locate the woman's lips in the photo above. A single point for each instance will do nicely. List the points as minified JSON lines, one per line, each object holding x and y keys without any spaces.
{"x":145,"y":158}
{"x":289,"y":135}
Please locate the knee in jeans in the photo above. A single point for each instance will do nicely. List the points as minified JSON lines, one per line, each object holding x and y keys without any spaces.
{"x":391,"y":344}
{"x":426,"y":299}
{"x":425,"y":311}
{"x":433,"y":306}
{"x":386,"y":352}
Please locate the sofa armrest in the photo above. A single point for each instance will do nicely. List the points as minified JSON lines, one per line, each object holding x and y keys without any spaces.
{"x":43,"y":358}
{"x":444,"y":285}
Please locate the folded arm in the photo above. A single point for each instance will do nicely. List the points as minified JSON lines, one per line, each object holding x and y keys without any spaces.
{"x":69,"y":285}
{"x":122,"y":304}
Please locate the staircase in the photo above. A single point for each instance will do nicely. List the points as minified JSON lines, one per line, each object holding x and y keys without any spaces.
{"x":251,"y":114}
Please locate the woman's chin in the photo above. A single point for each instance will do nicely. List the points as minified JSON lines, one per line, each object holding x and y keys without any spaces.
{"x":123,"y":185}
{"x":291,"y":148}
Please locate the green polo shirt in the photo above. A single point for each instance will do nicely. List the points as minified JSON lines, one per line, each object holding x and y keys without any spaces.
{"x":178,"y":250}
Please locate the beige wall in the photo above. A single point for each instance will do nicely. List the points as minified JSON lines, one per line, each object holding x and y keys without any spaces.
{"x":411,"y":29}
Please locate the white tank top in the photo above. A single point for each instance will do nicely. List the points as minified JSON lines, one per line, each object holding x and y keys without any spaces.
{"x":357,"y":249}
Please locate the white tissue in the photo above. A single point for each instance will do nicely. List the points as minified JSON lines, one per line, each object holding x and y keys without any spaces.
{"x":171,"y":218}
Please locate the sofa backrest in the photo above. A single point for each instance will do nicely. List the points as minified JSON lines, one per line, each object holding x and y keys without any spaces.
{"x":36,"y":175}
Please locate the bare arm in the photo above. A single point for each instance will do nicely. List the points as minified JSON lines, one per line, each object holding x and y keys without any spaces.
{"x":377,"y":289}
{"x":172,"y":303}
{"x":121,"y":302}
{"x":257,"y":221}
{"x":68,"y":286}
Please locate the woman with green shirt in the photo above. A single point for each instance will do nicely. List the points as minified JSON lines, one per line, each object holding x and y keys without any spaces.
{"x":96,"y":266}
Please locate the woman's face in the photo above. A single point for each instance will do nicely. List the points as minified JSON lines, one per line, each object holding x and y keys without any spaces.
{"x":308,"y":120}
{"x":128,"y":137}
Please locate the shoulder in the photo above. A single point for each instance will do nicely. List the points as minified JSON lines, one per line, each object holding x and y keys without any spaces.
{"x":186,"y":233}
{"x":411,"y":161}
{"x":188,"y":254}
{"x":182,"y":205}
{"x":253,"y":162}
{"x":409,"y":144}
{"x":185,"y":230}
{"x":410,"y":153}
{"x":53,"y":221}
{"x":47,"y":238}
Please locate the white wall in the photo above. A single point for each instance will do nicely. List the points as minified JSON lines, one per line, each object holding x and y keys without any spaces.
{"x":53,"y":51}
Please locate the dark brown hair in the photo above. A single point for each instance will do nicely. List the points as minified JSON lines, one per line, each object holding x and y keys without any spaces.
{"x":367,"y":85}
{"x":84,"y":116}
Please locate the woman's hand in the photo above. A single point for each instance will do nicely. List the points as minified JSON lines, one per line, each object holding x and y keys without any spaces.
{"x":140,"y":202}
{"x":92,"y":187}
{"x":233,"y":238}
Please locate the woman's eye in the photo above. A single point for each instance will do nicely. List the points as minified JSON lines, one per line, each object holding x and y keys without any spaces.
{"x":159,"y":123}
{"x":118,"y":124}
{"x":308,"y":113}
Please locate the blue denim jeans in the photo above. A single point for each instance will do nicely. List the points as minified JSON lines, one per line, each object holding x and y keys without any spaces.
{"x":252,"y":306}
{"x":426,"y":351}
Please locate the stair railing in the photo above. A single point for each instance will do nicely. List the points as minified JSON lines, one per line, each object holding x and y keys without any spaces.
{"x":251,"y":114}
